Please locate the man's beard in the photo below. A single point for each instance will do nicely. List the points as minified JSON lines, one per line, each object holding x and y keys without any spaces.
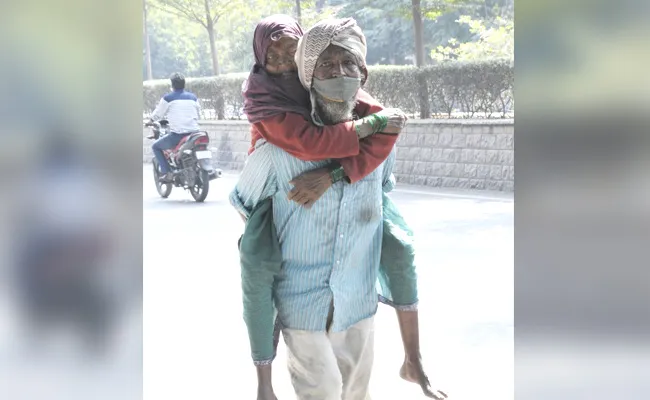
{"x":334,"y":112}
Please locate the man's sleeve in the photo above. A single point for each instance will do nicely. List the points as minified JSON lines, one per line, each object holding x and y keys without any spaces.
{"x":257,"y":181}
{"x":388,"y":181}
{"x":373,"y":150}
{"x":160,"y":110}
{"x":308,"y":142}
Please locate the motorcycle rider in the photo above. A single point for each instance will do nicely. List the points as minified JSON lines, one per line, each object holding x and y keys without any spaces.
{"x":181,"y":108}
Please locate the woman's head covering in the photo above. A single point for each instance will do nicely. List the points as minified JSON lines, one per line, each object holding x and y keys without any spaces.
{"x":267,"y":95}
{"x":270,"y":29}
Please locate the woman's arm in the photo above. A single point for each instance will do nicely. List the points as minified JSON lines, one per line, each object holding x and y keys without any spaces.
{"x":374,"y":149}
{"x":306,"y":141}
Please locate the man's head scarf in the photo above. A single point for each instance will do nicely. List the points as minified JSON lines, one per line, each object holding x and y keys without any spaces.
{"x":267,"y":95}
{"x":343,"y":32}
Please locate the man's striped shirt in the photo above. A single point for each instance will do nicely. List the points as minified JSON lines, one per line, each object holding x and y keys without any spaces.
{"x":331,"y":251}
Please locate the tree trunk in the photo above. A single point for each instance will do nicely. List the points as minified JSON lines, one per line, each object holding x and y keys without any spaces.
{"x":419,"y":59}
{"x":211,"y":37}
{"x":298,"y":11}
{"x":417,"y":27}
{"x":147,"y":46}
{"x":213,"y":49}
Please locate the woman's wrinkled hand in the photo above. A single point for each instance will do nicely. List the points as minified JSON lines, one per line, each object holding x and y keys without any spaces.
{"x":310,"y":186}
{"x":396,"y":120}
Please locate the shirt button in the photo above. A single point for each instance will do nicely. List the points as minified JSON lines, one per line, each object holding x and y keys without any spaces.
{"x":345,"y":203}
{"x":338,"y":261}
{"x":341,"y":236}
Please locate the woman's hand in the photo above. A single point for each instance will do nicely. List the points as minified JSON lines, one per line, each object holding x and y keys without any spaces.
{"x":389,"y":121}
{"x":310,"y":186}
{"x":396,"y":120}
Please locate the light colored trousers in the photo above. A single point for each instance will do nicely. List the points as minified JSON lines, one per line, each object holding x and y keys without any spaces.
{"x":331,"y":365}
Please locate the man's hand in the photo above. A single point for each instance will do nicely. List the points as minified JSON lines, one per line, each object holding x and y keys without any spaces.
{"x":310,"y":186}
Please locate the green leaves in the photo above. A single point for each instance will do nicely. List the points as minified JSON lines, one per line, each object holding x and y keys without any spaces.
{"x":453,"y":89}
{"x":177,"y":45}
{"x":497,"y":41}
{"x":453,"y":30}
{"x":472,"y":88}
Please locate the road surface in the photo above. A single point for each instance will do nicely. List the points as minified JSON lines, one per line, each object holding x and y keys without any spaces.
{"x":195,"y":341}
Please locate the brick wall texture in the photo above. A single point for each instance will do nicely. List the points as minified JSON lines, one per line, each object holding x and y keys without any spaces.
{"x":464,"y":154}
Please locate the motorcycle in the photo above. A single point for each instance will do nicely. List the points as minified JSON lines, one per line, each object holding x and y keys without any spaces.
{"x":190,"y":162}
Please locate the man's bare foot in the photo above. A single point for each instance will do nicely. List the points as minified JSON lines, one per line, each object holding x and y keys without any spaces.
{"x":412,"y":371}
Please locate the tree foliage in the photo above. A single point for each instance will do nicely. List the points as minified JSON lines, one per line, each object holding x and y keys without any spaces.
{"x":206,"y":13}
{"x":180,"y":45}
{"x":496,"y":41}
{"x":176,"y":46}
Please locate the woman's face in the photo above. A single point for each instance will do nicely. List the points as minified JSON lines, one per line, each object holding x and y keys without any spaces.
{"x":280,"y":56}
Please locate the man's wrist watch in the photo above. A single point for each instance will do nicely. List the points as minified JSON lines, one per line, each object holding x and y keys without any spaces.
{"x":337,"y":172}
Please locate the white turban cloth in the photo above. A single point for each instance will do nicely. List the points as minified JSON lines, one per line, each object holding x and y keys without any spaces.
{"x":342,"y":32}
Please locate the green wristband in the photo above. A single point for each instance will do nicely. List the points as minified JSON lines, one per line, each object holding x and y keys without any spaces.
{"x":337,"y":172}
{"x":379,"y":122}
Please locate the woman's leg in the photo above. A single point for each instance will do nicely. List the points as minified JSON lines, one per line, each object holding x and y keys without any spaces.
{"x":399,"y":282}
{"x":412,"y":369}
{"x":261,"y":260}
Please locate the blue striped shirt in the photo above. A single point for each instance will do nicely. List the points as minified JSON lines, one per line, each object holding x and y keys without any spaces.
{"x":330,"y":252}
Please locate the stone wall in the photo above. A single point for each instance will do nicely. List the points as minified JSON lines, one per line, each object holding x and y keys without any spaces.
{"x":468,"y":154}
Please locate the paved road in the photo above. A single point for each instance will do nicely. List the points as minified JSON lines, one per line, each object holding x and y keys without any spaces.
{"x":193,"y":312}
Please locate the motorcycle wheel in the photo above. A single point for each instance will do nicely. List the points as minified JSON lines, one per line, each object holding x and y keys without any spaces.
{"x":164,"y":189}
{"x":201,"y":187}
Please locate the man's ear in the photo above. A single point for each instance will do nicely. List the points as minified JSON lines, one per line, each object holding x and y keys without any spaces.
{"x":364,"y":75}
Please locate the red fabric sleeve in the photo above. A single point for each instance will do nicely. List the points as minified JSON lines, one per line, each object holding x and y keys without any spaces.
{"x":300,"y":138}
{"x":255,"y":136}
{"x":366,"y":104}
{"x":374,"y":149}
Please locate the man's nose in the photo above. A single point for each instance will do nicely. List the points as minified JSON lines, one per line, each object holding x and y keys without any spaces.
{"x":337,"y":70}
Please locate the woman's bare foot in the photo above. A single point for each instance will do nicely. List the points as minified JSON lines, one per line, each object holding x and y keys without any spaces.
{"x":265,"y":383}
{"x":412,"y":371}
{"x":266,"y":393}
